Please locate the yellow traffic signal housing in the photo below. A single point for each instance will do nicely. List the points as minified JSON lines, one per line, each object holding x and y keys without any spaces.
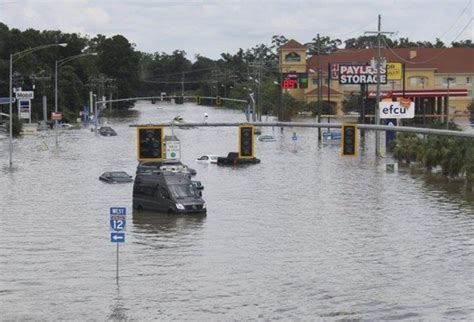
{"x":247,"y":141}
{"x":150,"y":143}
{"x":218,"y":100}
{"x":198,"y":100}
{"x":349,"y":139}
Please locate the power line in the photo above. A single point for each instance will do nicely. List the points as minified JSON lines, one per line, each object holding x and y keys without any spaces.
{"x":456,"y":20}
{"x":432,"y":58}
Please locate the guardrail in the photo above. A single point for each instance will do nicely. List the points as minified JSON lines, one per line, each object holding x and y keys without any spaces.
{"x":371,"y":127}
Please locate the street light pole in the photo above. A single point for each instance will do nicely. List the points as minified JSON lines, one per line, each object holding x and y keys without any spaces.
{"x":56,"y":101}
{"x":19,"y":54}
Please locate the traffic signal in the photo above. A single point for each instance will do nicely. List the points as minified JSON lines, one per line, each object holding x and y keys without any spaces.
{"x":150,"y":143}
{"x":246,"y":141}
{"x":349,"y":139}
{"x":218,"y":100}
{"x":198,"y":100}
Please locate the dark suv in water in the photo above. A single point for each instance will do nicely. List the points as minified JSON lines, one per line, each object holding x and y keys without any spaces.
{"x":167,"y":192}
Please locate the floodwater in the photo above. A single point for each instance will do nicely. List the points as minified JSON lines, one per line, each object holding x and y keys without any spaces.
{"x":305,"y":235}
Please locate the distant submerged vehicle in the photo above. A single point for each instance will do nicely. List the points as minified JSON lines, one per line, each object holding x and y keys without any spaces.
{"x":266,"y":138}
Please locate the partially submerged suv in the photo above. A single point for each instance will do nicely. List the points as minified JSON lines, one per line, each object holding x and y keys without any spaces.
{"x":167,"y":192}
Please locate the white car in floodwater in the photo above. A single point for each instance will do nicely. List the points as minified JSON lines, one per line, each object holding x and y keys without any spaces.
{"x":208,"y":158}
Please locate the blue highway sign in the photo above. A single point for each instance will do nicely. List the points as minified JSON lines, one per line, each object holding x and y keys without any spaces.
{"x":117,"y":237}
{"x":118,"y":211}
{"x":328,"y":136}
{"x":117,"y":224}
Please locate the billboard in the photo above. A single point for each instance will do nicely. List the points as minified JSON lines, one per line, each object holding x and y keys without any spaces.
{"x":294,"y":80}
{"x":361,"y":74}
{"x":394,"y":71}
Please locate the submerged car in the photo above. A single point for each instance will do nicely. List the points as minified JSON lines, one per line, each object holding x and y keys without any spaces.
{"x":107,"y":131}
{"x":266,"y":138}
{"x":208,"y":158}
{"x":116,"y":177}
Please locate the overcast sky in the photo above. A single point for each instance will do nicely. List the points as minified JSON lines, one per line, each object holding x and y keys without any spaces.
{"x":211,"y":27}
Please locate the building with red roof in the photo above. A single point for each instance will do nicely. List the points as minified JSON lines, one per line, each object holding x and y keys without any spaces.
{"x":438,"y":80}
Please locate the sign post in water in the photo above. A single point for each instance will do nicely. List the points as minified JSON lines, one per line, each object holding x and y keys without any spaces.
{"x":118,"y":220}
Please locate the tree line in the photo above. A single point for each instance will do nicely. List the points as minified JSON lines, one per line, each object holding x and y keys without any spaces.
{"x":121,"y":70}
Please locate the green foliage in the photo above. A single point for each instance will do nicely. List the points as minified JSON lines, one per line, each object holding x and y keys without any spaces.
{"x":351,"y":104}
{"x":326,"y":45}
{"x":17,"y":126}
{"x":405,"y":147}
{"x":470,"y":108}
{"x":454,"y":156}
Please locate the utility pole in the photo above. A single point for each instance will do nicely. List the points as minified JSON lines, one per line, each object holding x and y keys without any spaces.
{"x":258,"y":89}
{"x":182,"y":83}
{"x":319,"y":88}
{"x":377,"y":99}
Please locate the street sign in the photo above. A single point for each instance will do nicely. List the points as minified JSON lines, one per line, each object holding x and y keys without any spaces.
{"x":117,"y":222}
{"x":118,"y":211}
{"x":117,"y":237}
{"x":6,"y":100}
{"x":29,"y":95}
{"x":56,"y":116}
{"x":173,"y":150}
{"x":331,"y":136}
{"x":118,"y":218}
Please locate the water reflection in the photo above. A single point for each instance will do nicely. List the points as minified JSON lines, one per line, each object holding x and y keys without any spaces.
{"x":151,"y":223}
{"x":119,"y":311}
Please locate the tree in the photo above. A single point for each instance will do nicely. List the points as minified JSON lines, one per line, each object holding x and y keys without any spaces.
{"x":326,"y":45}
{"x":118,"y":60}
{"x":463,"y":43}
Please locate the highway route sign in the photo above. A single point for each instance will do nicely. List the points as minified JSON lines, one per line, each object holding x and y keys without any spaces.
{"x":117,"y":222}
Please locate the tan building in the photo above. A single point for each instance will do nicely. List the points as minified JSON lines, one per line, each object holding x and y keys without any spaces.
{"x":431,"y":74}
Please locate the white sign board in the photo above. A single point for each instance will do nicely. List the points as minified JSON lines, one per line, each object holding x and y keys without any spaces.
{"x":29,"y":95}
{"x":394,"y":110}
{"x":173,"y":150}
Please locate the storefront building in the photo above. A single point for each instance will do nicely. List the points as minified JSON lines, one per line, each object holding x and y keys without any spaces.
{"x":438,"y":80}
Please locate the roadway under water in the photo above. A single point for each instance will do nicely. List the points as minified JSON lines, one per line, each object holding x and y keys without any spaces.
{"x":304,"y":235}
